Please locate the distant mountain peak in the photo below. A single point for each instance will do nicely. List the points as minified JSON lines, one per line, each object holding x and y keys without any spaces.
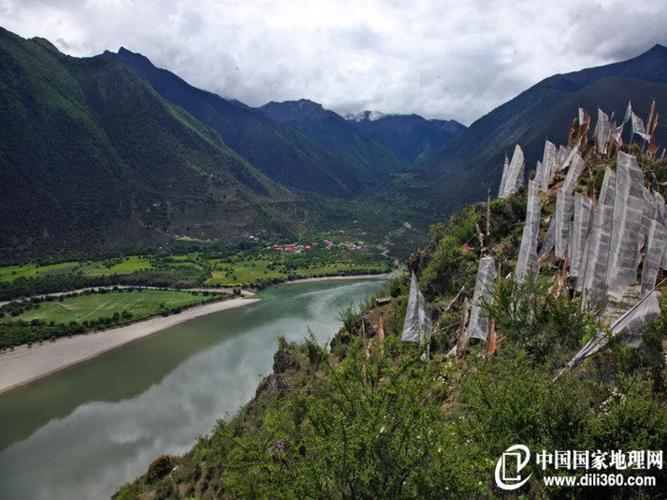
{"x":309,"y":103}
{"x":303,"y":104}
{"x":657,"y":52}
{"x":372,"y":160}
{"x":365,"y":115}
{"x":128,"y":54}
{"x":657,"y":48}
{"x":412,"y":138}
{"x":288,"y":111}
{"x":45,"y":44}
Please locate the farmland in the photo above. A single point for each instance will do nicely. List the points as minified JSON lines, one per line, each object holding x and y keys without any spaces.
{"x":51,"y":317}
{"x":93,"y":307}
{"x":254,"y":267}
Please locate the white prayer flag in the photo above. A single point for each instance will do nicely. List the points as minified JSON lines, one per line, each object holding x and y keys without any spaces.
{"x":638,"y":127}
{"x":626,"y":228}
{"x":655,"y":250}
{"x":478,"y":325}
{"x":564,"y":213}
{"x":527,"y":261}
{"x":629,"y":325}
{"x":417,"y":325}
{"x":513,"y":179}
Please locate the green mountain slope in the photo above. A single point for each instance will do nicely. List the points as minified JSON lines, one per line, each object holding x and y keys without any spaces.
{"x":279,"y":151}
{"x":465,"y":167}
{"x":372,"y":162}
{"x":92,"y":159}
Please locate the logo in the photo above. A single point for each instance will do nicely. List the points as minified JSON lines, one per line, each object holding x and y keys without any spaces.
{"x":509,"y":466}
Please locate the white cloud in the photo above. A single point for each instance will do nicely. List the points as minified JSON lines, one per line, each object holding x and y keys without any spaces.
{"x":452,"y":59}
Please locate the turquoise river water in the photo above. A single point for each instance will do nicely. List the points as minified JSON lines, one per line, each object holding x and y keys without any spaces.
{"x":84,"y":432}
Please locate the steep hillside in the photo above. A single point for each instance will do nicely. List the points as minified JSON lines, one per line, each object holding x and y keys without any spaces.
{"x":279,"y":151}
{"x":466,"y":166}
{"x":369,"y":418}
{"x":371,"y":161}
{"x":413,"y":139}
{"x":92,"y":159}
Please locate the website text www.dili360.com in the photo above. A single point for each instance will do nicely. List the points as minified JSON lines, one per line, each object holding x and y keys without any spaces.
{"x":599,"y":479}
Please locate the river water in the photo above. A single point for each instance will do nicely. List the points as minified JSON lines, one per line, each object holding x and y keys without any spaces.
{"x":86,"y":431}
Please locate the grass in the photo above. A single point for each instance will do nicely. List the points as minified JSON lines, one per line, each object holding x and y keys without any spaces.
{"x":248,"y":271}
{"x":11,"y":273}
{"x":251,"y":272}
{"x":141,"y":303}
{"x":121,"y":265}
{"x":127,"y":266}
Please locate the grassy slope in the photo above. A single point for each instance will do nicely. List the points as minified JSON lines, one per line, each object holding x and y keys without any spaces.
{"x":344,"y":424}
{"x":141,"y":303}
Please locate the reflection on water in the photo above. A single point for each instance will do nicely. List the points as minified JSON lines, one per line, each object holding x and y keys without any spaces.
{"x":83,"y":433}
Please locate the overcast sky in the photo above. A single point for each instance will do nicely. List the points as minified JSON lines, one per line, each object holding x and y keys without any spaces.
{"x":440,"y":59}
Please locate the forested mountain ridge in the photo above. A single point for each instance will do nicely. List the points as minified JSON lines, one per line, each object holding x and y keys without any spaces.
{"x":412,"y":138}
{"x":279,"y":151}
{"x":464,"y":168}
{"x":372,"y":161}
{"x":92,"y":158}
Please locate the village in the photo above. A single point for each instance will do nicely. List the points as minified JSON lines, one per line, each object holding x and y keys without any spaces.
{"x":327,"y":244}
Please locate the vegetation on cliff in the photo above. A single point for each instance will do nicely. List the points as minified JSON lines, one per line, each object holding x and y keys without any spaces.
{"x":370,"y":419}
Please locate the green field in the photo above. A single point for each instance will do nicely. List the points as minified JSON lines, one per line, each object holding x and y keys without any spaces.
{"x":141,"y":303}
{"x":272,"y":266}
{"x":109,"y":267}
{"x":127,"y":265}
{"x":11,"y":273}
{"x":256,"y":266}
{"x":250,"y":273}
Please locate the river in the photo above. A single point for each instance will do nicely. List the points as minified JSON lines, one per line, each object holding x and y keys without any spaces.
{"x":86,"y":431}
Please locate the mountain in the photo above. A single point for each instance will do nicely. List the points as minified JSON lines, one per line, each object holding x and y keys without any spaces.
{"x":463,"y":169}
{"x":93,"y":159}
{"x":371,"y":160}
{"x":412,"y":138}
{"x":279,"y":151}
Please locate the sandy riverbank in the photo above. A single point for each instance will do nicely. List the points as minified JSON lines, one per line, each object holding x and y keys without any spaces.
{"x":24,"y":365}
{"x":228,"y":290}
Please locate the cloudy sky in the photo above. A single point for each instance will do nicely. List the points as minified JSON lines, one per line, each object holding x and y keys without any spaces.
{"x":445,"y":59}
